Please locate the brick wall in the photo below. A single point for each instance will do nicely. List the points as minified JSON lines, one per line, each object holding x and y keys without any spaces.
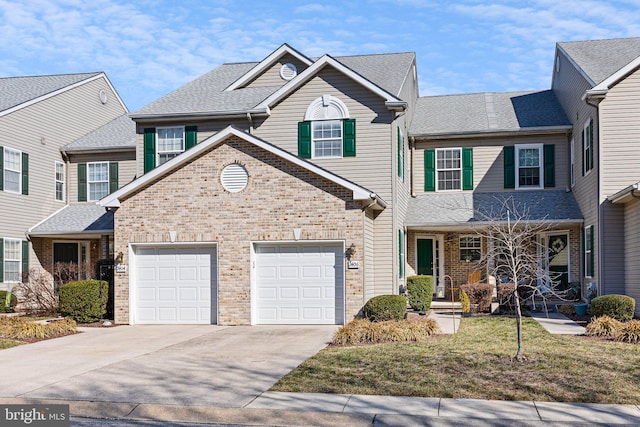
{"x":279,"y":198}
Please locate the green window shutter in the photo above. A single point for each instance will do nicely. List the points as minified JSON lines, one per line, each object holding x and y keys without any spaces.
{"x":25,"y":173}
{"x":191,"y":136}
{"x":113,"y":176}
{"x":509,"y":167}
{"x":584,"y":170}
{"x":467,"y":168}
{"x":591,"y":257}
{"x":1,"y":260}
{"x":149,"y":149}
{"x":429,"y":170}
{"x":82,"y":182}
{"x":584,"y":252}
{"x":1,"y":174}
{"x":399,"y":151}
{"x":590,"y":144}
{"x":349,"y":138}
{"x":549,"y":165}
{"x":25,"y":256}
{"x":400,"y":254}
{"x":304,"y":140}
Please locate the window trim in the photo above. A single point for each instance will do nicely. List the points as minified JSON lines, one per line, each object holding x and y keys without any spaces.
{"x":313,"y":139}
{"x":460,"y":248}
{"x":401,"y":155}
{"x":5,"y":169}
{"x":402,"y":253}
{"x":572,"y":170}
{"x":62,"y":181}
{"x":5,"y":259}
{"x":540,"y":148}
{"x":157,"y":143}
{"x":89,"y":182}
{"x":589,"y":263}
{"x":459,"y":149}
{"x":587,"y":146}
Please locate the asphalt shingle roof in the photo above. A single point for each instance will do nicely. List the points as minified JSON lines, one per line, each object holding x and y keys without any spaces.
{"x":18,"y":90}
{"x":460,"y":209}
{"x":75,"y":219}
{"x":599,"y":59}
{"x":206,"y":93}
{"x":486,"y":112}
{"x":118,"y":134}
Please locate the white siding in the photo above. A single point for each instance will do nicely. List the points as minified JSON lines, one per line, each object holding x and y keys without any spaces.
{"x":271,"y":76}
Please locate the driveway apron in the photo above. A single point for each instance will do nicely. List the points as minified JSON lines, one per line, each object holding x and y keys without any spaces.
{"x":179,"y":365}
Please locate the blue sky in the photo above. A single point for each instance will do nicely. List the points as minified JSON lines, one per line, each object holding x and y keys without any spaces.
{"x":149,"y":48}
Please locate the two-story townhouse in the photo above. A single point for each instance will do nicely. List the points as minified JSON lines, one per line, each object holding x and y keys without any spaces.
{"x":269,"y":192}
{"x":598,"y":85}
{"x":471,"y":153}
{"x":39,"y":116}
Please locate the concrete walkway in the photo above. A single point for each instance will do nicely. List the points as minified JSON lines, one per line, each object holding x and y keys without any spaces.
{"x":447,"y":320}
{"x":557,"y":323}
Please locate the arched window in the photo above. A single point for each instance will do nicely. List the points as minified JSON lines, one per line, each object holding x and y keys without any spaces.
{"x":327,"y":131}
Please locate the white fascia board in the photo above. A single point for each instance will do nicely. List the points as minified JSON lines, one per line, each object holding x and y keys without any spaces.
{"x":54,"y":93}
{"x":616,"y":77}
{"x":266,"y":63}
{"x":625,"y":194}
{"x":113,"y":200}
{"x":301,"y":78}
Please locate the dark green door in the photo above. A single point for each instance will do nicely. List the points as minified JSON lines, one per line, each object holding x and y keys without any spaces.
{"x":425,"y":257}
{"x":558,"y":260}
{"x":65,"y":252}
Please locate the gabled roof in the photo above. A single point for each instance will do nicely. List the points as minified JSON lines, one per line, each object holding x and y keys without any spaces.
{"x":470,"y":209}
{"x":76,"y":219}
{"x":359,"y":193}
{"x":19,"y":92}
{"x":117,"y":135}
{"x":598,"y":60}
{"x":208,"y":95}
{"x":488,"y":113}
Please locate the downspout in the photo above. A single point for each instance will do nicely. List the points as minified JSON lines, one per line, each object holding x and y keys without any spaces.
{"x":412,"y":149}
{"x":250,"y":119}
{"x":67,"y":165}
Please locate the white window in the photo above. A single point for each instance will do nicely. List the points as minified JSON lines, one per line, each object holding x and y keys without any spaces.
{"x":326,"y":138}
{"x":401,"y":154}
{"x":449,"y":169}
{"x":60,"y":181}
{"x":587,"y":147}
{"x":573,"y":178}
{"x":470,"y":248}
{"x":529,"y":166}
{"x":98,"y":180}
{"x":12,"y":170}
{"x":170,"y":143}
{"x":588,"y":251}
{"x":12,"y":260}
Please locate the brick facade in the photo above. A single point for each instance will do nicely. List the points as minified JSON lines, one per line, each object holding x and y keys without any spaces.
{"x":279,"y":197}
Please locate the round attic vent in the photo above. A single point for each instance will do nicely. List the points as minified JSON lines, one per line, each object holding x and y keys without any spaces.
{"x":234,"y":178}
{"x":103,"y":96}
{"x":288,"y":71}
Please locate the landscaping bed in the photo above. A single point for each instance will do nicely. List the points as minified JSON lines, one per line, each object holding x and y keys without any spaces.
{"x":16,"y":330}
{"x":477,"y":363}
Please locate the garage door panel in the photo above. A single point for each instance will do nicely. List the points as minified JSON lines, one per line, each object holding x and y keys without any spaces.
{"x":175,"y":284}
{"x":311,"y":292}
{"x":268,"y":293}
{"x":289,"y":293}
{"x":312,"y":272}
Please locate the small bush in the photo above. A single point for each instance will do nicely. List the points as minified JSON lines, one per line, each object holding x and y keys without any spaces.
{"x":385,"y":307}
{"x":363,"y":331}
{"x":420,"y":292}
{"x":60,"y":327}
{"x":480,"y":294}
{"x":619,"y":307}
{"x":604,"y":326}
{"x":629,"y":332}
{"x":464,"y":300}
{"x":567,"y":310}
{"x":84,"y":301}
{"x":13,"y":301}
{"x":20,"y":328}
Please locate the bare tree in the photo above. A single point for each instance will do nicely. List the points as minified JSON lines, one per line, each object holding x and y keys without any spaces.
{"x":36,"y":293}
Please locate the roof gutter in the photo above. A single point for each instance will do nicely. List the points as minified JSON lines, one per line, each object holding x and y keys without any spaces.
{"x":625,"y":194}
{"x":476,"y":224}
{"x":564,"y":129}
{"x":396,"y":105}
{"x":230,"y":114}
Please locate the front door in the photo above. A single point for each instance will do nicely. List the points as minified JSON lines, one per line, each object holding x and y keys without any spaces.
{"x":65,"y":252}
{"x":425,"y":257}
{"x":557,"y":259}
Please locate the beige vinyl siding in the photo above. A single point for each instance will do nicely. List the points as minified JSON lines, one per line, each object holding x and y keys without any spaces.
{"x":271,"y":76}
{"x":488,"y":160}
{"x":372,"y":167}
{"x":126,"y":168}
{"x":632,"y":251}
{"x":369,"y":255}
{"x":613,"y":248}
{"x":40,"y":130}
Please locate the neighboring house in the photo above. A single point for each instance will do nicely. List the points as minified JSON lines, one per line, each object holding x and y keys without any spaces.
{"x":44,"y":121}
{"x":598,"y":85}
{"x":290,"y":216}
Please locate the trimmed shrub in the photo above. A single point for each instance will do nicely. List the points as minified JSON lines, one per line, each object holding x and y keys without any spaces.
{"x":385,"y":307}
{"x":629,"y":332}
{"x":84,"y":301}
{"x":363,"y":331}
{"x":604,"y":326}
{"x":619,"y":307}
{"x":479,"y":294}
{"x":13,"y":301}
{"x":420,"y":292}
{"x":464,"y":300}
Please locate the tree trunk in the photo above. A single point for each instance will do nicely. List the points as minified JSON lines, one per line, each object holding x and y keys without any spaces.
{"x":520,"y":354}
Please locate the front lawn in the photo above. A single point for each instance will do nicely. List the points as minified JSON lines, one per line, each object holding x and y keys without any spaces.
{"x":477,"y":363}
{"x":9,"y":343}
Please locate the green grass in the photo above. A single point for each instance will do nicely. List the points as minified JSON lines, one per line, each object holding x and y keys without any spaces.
{"x":9,"y":343}
{"x":477,"y":363}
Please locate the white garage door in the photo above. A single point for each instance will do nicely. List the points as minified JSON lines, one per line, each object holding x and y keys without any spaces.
{"x":175,"y":285}
{"x":299,"y":283}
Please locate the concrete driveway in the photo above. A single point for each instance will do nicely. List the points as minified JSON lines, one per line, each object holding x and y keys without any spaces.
{"x":180,"y":365}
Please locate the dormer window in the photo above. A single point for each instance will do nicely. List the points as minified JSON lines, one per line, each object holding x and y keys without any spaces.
{"x":327,"y":131}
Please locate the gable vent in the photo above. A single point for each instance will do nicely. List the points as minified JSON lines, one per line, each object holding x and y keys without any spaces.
{"x":288,"y":71}
{"x":234,"y":178}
